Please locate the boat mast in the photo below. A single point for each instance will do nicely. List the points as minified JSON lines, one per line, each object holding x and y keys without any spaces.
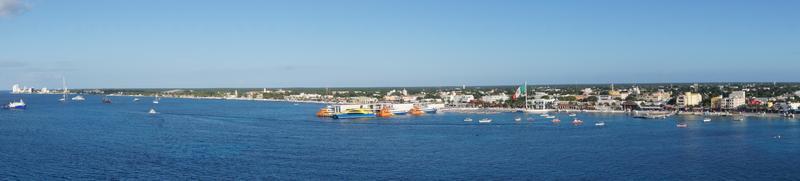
{"x":64,"y":85}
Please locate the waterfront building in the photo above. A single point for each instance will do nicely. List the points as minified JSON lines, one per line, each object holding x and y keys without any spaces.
{"x":543,"y":103}
{"x":502,"y":97}
{"x":716,"y":102}
{"x":734,"y":100}
{"x":688,"y":99}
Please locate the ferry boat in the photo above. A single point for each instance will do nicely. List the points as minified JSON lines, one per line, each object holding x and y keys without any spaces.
{"x":325,"y":112}
{"x":355,"y":113}
{"x":682,"y":125}
{"x":78,"y":98}
{"x":485,"y":120}
{"x":17,"y":105}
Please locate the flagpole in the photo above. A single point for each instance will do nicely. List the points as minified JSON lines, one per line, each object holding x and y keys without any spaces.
{"x":526,"y":95}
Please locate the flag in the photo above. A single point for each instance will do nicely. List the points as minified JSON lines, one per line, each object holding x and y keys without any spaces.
{"x":520,"y":92}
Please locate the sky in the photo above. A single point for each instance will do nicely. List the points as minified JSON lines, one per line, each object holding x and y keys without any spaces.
{"x":364,"y":43}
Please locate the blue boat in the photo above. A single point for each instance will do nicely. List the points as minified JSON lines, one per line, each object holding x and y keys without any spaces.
{"x":354,"y":114}
{"x":16,"y":105}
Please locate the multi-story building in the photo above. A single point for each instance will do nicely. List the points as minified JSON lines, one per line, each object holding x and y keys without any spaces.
{"x":734,"y":100}
{"x":688,"y":99}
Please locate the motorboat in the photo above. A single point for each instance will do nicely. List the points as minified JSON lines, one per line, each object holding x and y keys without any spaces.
{"x":601,"y":123}
{"x":135,"y":99}
{"x":573,"y":115}
{"x":17,"y":105}
{"x":707,"y":120}
{"x":384,"y":112}
{"x":467,"y":119}
{"x":517,"y":119}
{"x":682,"y":125}
{"x":577,"y":122}
{"x":325,"y":112}
{"x":78,"y":98}
{"x":556,"y":121}
{"x":485,"y":120}
{"x":550,"y":117}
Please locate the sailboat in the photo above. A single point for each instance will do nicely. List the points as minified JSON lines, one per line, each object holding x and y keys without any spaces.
{"x":152,"y":111}
{"x":65,"y":91}
{"x":155,"y":101}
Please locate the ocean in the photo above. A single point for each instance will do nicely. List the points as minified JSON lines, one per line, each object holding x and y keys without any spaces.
{"x":248,"y":140}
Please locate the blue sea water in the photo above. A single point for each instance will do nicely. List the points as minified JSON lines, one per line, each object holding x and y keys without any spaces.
{"x":219,"y":139}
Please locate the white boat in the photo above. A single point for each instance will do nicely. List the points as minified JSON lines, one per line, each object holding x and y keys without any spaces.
{"x":682,"y":125}
{"x":468,"y":120}
{"x":707,"y":120}
{"x":556,"y":121}
{"x":544,"y":115}
{"x":152,"y":111}
{"x":517,"y":119}
{"x":135,"y":99}
{"x":572,"y":115}
{"x":601,"y":123}
{"x":78,"y":98}
{"x":577,"y":122}
{"x":65,"y":91}
{"x":155,"y":100}
{"x":17,"y":105}
{"x":485,"y":120}
{"x":550,"y":117}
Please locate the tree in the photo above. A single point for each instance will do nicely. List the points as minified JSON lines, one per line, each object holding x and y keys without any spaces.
{"x":567,"y":98}
{"x":591,"y":99}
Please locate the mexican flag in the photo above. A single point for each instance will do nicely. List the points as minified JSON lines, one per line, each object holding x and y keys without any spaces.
{"x":520,"y":92}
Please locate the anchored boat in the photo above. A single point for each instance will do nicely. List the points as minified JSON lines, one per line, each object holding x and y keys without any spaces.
{"x":355,"y":113}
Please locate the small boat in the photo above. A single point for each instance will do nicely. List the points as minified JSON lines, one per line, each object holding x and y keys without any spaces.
{"x":152,"y":111}
{"x":325,"y":112}
{"x":682,"y":125}
{"x":17,"y":105}
{"x":416,"y":111}
{"x":106,"y":100}
{"x":577,"y":122}
{"x":544,"y":115}
{"x":572,"y":115}
{"x":530,"y":119}
{"x":485,"y":120}
{"x":550,"y":117}
{"x":517,"y":119}
{"x":429,"y":110}
{"x":355,"y":113}
{"x":78,"y":98}
{"x":467,"y":119}
{"x":556,"y":121}
{"x":738,"y":119}
{"x":707,"y":120}
{"x":135,"y":99}
{"x":601,"y":123}
{"x":384,"y":112}
{"x":156,"y":99}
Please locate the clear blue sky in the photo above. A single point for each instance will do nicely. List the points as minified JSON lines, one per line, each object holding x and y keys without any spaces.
{"x":175,"y":43}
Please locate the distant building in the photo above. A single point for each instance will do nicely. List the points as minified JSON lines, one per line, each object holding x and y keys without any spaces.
{"x":716,"y":102}
{"x":688,"y":99}
{"x":542,"y":103}
{"x":495,"y":98}
{"x":734,"y":100}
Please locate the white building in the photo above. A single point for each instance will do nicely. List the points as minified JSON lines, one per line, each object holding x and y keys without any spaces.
{"x":734,"y":100}
{"x":542,"y":103}
{"x":495,"y":98}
